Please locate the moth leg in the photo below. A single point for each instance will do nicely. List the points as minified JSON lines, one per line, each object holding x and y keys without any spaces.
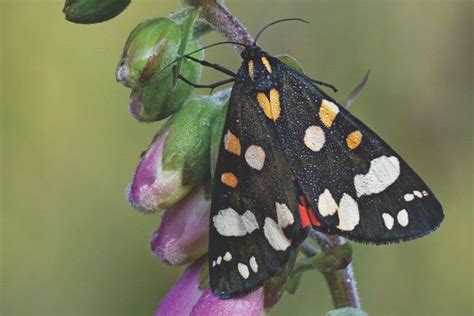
{"x":211,"y":86}
{"x":214,"y":66}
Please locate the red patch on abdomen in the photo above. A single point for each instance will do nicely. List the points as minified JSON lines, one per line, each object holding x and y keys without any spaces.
{"x":307,"y":214}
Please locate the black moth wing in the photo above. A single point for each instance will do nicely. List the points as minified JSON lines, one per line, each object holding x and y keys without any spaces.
{"x":360,"y":187}
{"x":248,"y":241}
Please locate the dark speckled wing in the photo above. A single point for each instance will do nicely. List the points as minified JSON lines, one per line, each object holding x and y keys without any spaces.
{"x":241,"y":259}
{"x":360,"y":187}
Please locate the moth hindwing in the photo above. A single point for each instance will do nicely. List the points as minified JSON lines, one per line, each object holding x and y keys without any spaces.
{"x":291,"y":158}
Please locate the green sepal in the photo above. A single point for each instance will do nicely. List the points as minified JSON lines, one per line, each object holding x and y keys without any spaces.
{"x":93,"y":11}
{"x":216,"y":134}
{"x":347,"y":311}
{"x":291,"y":62}
{"x":275,"y":286}
{"x":333,"y":259}
{"x":159,"y":99}
{"x":149,"y":51}
{"x":204,"y":275}
{"x":187,"y":145}
{"x":301,"y":265}
{"x":186,"y":25}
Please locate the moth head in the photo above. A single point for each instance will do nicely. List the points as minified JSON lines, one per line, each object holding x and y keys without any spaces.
{"x":250,"y":52}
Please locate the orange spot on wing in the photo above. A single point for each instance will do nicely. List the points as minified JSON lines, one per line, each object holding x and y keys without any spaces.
{"x":328,"y":112}
{"x":271,"y":107}
{"x":229,"y":179}
{"x":232,"y":143}
{"x":354,"y":139}
{"x":266,"y":63}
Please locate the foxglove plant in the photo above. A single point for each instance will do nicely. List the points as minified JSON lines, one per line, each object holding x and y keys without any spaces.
{"x":174,"y":174}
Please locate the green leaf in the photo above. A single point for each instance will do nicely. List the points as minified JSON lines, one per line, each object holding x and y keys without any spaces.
{"x":291,"y":61}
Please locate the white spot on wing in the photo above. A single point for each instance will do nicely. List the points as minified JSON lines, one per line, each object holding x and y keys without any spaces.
{"x":284,"y":215}
{"x":402,"y":217}
{"x":275,"y":235}
{"x":314,"y":138}
{"x":227,"y":256}
{"x":219,"y":260}
{"x":229,"y":223}
{"x":243,"y":270}
{"x":348,"y":213}
{"x":255,"y":157}
{"x":425,"y":193}
{"x":382,"y":173}
{"x":253,"y":264}
{"x":388,"y":220}
{"x":409,"y":197}
{"x":213,"y":263}
{"x":326,"y":204}
{"x":418,"y":194}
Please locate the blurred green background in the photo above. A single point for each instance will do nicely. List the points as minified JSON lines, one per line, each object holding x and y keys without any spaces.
{"x":70,"y":243}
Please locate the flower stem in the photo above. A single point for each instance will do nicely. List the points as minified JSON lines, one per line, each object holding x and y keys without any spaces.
{"x":224,"y":22}
{"x":342,"y":284}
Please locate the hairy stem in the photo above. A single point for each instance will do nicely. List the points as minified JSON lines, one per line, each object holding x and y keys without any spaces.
{"x":224,"y":22}
{"x":341,"y":283}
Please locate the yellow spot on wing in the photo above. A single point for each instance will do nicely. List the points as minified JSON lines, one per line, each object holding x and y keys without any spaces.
{"x":250,"y":68}
{"x":354,"y":139}
{"x":229,"y":179}
{"x":232,"y":143}
{"x":328,"y":112}
{"x":266,"y":63}
{"x":271,"y":107}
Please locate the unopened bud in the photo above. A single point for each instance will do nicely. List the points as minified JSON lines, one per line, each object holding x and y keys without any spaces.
{"x":159,"y":99}
{"x":93,"y":11}
{"x":150,"y":47}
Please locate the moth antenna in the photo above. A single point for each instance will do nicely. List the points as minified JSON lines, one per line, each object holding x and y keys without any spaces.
{"x":200,"y":49}
{"x":276,"y":22}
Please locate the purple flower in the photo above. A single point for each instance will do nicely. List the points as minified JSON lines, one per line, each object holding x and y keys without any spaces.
{"x":154,"y":188}
{"x":185,"y":298}
{"x":248,"y":305}
{"x":178,"y":158}
{"x":184,"y":230}
{"x":184,"y":294}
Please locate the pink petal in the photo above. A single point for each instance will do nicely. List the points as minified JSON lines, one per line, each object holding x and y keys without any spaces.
{"x":249,"y":305}
{"x":184,"y":294}
{"x":184,"y":230}
{"x":153,"y":188}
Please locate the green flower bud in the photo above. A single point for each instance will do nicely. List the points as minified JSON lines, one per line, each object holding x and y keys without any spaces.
{"x":178,"y":158}
{"x":160,"y":99}
{"x":93,"y":11}
{"x":187,"y":146}
{"x":150,"y":47}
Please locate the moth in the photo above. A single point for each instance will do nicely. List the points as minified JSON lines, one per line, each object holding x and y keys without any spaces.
{"x":293,"y":159}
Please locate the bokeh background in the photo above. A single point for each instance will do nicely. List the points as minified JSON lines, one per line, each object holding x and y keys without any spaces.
{"x":70,"y":243}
